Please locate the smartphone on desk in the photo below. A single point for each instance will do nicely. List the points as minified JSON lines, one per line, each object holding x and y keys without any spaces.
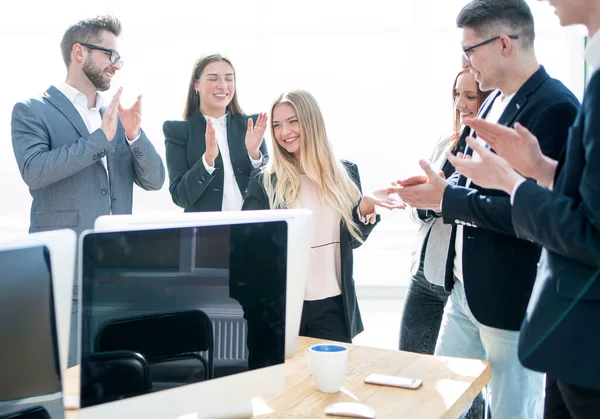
{"x":393,"y":381}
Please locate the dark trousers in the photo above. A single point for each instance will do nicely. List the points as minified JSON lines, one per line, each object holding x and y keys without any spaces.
{"x":421,"y":320}
{"x":422,"y":315}
{"x":266,"y":331}
{"x":325,"y":319}
{"x":567,"y":401}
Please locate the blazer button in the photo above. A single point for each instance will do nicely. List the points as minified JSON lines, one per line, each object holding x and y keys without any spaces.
{"x":104,"y":191}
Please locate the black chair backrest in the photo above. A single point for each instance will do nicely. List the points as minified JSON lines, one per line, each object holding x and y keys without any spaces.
{"x":158,"y":335}
{"x":36,"y":412}
{"x":109,"y":376}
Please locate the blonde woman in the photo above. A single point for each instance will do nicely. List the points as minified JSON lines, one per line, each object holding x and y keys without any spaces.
{"x":304,"y":173}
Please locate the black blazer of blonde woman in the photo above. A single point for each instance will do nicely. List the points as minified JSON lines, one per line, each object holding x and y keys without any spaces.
{"x":257,"y":199}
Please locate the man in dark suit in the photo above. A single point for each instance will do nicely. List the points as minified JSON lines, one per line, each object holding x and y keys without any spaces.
{"x":490,"y":271}
{"x":560,"y":334}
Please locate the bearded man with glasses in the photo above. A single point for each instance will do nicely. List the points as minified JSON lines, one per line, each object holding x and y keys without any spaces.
{"x":79,"y":158}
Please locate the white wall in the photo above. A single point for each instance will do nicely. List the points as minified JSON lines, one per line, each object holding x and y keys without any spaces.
{"x":381,"y":70}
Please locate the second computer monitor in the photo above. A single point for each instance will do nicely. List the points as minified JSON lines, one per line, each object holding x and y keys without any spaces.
{"x":301,"y":225}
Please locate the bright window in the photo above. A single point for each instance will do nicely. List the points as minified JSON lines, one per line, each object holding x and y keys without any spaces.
{"x":381,"y":71}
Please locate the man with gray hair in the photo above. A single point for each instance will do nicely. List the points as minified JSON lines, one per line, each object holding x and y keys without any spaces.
{"x":490,"y":271}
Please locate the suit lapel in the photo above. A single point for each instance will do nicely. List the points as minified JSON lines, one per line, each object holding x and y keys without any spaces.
{"x":236,"y":141}
{"x":64,"y":105}
{"x":519,"y":101}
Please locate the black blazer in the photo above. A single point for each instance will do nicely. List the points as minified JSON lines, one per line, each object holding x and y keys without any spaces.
{"x":498,"y":268}
{"x":191,"y":187}
{"x":561,"y":332}
{"x":257,"y":199}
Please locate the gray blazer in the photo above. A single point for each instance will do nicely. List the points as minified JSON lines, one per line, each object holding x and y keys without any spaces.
{"x":433,"y":231}
{"x":61,"y":163}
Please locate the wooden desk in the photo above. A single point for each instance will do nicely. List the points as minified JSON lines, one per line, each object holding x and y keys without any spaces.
{"x":449,"y":385}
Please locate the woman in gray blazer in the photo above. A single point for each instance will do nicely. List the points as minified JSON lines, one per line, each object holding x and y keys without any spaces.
{"x":211,"y":153}
{"x":426,"y":296}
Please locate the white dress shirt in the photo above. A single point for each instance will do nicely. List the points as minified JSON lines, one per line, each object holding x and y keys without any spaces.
{"x":91,"y":118}
{"x":592,"y":51}
{"x":232,"y":197}
{"x":493,"y":115}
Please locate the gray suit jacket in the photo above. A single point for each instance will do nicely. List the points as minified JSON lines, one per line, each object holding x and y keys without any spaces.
{"x":61,"y":163}
{"x":433,"y":236}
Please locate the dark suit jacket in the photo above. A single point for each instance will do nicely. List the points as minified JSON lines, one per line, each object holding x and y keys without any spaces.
{"x":60,"y":161}
{"x":192,"y":187}
{"x":561,"y":332}
{"x":256,"y":199}
{"x":498,"y":268}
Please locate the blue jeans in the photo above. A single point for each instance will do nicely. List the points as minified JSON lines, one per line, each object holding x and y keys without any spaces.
{"x":422,"y":315}
{"x":421,"y":320}
{"x":516,"y":391}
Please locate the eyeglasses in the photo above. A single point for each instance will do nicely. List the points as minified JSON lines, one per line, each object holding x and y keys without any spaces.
{"x":114,"y":56}
{"x":467,"y":52}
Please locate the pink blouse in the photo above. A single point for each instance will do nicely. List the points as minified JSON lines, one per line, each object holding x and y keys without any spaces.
{"x":324,"y":272}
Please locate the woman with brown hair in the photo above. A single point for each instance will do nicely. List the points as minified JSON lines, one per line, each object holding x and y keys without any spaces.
{"x":426,"y":296}
{"x":211,"y":153}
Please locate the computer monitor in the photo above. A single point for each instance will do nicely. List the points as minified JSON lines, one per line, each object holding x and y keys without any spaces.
{"x":35,"y":292}
{"x":225,"y":277}
{"x":62,"y":247}
{"x":301,"y":224}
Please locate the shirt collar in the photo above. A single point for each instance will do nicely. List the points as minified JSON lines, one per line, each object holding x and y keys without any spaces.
{"x":218,"y":121}
{"x":78,"y":98}
{"x":507,"y":99}
{"x":592,"y":51}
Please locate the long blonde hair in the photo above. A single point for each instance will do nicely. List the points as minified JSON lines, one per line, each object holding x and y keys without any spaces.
{"x":335,"y":186}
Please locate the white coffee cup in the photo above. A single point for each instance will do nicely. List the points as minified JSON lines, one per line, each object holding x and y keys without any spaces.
{"x":328,"y":363}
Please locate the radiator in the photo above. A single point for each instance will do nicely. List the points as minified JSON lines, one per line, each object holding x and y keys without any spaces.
{"x":229,"y":338}
{"x":229,"y":330}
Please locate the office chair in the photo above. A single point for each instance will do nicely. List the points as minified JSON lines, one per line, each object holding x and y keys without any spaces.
{"x":114,"y":375}
{"x":36,"y":412}
{"x":162,"y":337}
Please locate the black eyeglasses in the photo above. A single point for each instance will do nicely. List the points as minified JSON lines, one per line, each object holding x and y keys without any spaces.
{"x":467,"y":52}
{"x":114,"y":56}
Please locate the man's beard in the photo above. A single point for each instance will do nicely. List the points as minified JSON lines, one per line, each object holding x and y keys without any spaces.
{"x":95,"y":76}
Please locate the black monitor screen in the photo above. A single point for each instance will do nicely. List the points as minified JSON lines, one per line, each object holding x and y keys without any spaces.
{"x":170,"y":307}
{"x":29,"y":366}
